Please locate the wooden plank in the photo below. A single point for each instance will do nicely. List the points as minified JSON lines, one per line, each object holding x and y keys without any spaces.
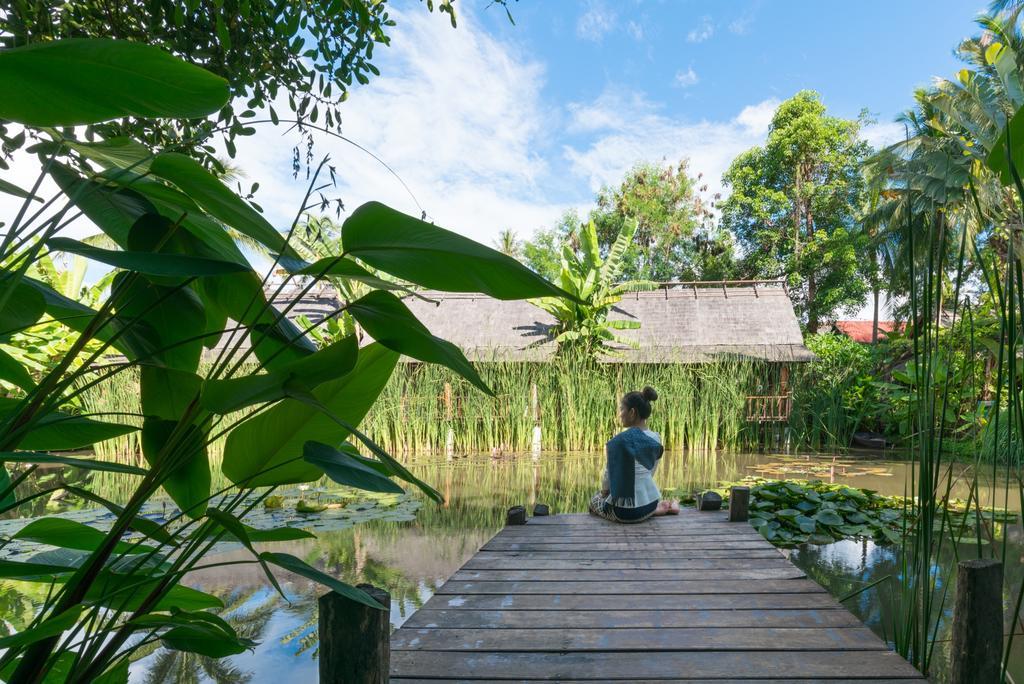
{"x":681,"y":527}
{"x":631,"y":666}
{"x":581,"y":601}
{"x":685,"y":598}
{"x":615,"y":575}
{"x":633,"y":587}
{"x":522,"y":561}
{"x":601,"y":536}
{"x":627,"y":619}
{"x":648,"y":640}
{"x":819,"y":680}
{"x":682,"y":554}
{"x":697,"y":544}
{"x":687,"y":516}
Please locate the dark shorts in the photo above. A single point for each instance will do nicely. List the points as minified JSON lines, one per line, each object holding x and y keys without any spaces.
{"x":601,"y":508}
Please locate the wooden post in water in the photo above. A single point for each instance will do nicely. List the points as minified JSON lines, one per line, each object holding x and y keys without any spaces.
{"x":449,"y":438}
{"x":355,"y":639}
{"x":739,"y":503}
{"x":535,"y":414}
{"x":976,"y":651}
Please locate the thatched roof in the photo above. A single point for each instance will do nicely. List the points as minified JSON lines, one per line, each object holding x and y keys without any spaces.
{"x":677,"y":325}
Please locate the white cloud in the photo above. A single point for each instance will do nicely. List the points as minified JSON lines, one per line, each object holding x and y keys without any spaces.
{"x":704,"y":30}
{"x":758,"y":118}
{"x":685,"y":79}
{"x":596,"y":22}
{"x":635,"y":29}
{"x":630,"y":129}
{"x":741,"y":25}
{"x":458,"y":116}
{"x":880,"y":135}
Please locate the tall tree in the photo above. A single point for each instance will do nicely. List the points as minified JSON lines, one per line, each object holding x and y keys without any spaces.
{"x":676,"y":236}
{"x":794,"y":205}
{"x":673,"y":235}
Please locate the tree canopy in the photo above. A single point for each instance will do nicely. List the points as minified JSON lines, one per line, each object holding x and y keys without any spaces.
{"x":676,"y":237}
{"x":794,"y":207}
{"x":307,"y":53}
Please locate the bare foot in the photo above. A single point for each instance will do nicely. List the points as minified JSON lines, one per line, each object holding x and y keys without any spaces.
{"x":667,"y":508}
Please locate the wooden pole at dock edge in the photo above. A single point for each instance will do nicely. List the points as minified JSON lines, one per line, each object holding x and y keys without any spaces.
{"x":355,"y":639}
{"x":976,"y":651}
{"x":739,"y":503}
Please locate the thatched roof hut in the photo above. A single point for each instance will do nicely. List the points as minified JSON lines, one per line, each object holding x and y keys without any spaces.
{"x":680,"y":323}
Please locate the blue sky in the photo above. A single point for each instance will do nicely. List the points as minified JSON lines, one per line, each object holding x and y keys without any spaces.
{"x":493,"y":125}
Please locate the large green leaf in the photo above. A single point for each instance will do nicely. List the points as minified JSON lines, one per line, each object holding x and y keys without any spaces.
{"x":341,"y":267}
{"x":13,"y":372}
{"x":389,"y":321}
{"x":12,"y":189}
{"x":267,"y":448}
{"x":51,"y":626}
{"x":175,"y":314}
{"x":231,"y":394}
{"x":114,"y":210}
{"x":85,"y":463}
{"x":217,"y":199}
{"x":302,"y":569}
{"x":998,"y":160}
{"x":189,"y":483}
{"x":122,"y":153}
{"x":7,"y":499}
{"x":29,"y":571}
{"x":195,"y":632}
{"x":129,"y":592}
{"x":88,"y":80}
{"x":341,"y":466}
{"x":167,"y":392}
{"x":159,"y":264}
{"x":134,"y":338}
{"x":24,"y":306}
{"x":276,"y":340}
{"x":61,"y":432}
{"x":68,"y":534}
{"x":433,"y":257}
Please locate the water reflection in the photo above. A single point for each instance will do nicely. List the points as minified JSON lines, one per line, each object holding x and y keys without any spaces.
{"x":412,"y":557}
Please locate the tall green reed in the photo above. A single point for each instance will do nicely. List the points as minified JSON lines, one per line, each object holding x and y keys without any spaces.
{"x":700,"y":406}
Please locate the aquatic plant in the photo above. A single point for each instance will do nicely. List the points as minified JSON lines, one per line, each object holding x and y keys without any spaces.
{"x":701,"y":406}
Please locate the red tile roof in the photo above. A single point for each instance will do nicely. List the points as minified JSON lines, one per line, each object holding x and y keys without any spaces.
{"x":860,"y":331}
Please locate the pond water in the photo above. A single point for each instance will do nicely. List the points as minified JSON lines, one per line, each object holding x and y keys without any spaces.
{"x":410,"y":547}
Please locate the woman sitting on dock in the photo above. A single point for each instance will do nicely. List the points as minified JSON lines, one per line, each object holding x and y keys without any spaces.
{"x":628,"y":493}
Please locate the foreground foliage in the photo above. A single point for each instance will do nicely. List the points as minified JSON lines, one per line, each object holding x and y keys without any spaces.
{"x":283,"y":409}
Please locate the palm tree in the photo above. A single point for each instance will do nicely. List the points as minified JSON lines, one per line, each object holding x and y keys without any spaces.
{"x":509,"y":244}
{"x":171,"y":666}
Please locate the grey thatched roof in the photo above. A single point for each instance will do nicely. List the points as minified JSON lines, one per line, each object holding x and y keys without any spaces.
{"x":677,"y":325}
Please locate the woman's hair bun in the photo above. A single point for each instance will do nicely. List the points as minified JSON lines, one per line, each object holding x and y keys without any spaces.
{"x":649,"y":394}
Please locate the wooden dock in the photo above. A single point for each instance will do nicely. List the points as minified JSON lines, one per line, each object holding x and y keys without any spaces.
{"x":691,"y":597}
